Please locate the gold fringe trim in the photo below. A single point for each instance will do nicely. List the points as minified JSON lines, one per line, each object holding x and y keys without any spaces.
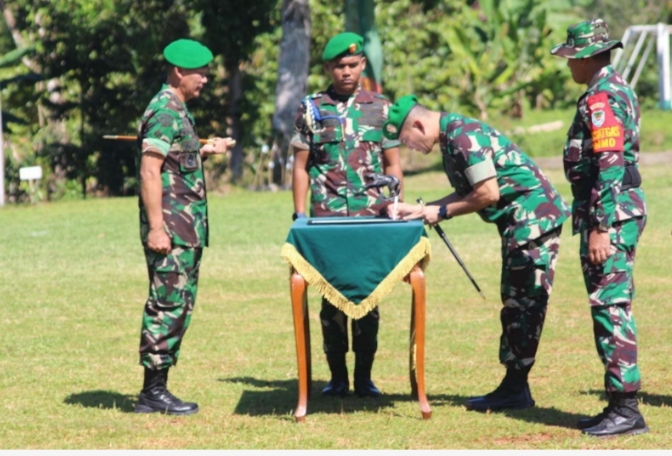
{"x":420,"y":254}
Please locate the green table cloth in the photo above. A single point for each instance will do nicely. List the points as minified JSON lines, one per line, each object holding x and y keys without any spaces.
{"x":355,"y":261}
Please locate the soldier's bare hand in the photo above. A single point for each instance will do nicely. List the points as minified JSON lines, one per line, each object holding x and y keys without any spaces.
{"x":403,"y":210}
{"x":599,"y":247}
{"x":218,"y":146}
{"x":158,"y":241}
{"x":393,"y":211}
{"x":430,"y":214}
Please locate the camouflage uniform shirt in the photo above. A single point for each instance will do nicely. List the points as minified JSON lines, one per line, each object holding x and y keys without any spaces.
{"x":168,"y":127}
{"x":528,"y":207}
{"x":346,"y":143}
{"x":602,"y":140}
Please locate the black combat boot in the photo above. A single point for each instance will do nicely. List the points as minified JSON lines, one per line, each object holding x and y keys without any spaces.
{"x":623,"y":418}
{"x":339,"y":383}
{"x":586,"y":423}
{"x":513,"y":393}
{"x":155,"y":397}
{"x":363,"y":384}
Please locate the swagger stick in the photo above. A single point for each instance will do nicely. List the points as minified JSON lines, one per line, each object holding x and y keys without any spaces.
{"x":232,"y":142}
{"x":454,"y":252}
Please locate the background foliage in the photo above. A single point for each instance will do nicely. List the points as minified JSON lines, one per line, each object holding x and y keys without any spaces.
{"x":93,"y":65}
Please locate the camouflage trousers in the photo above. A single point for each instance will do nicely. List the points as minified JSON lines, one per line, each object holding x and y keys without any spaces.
{"x":335,"y":330}
{"x":527,"y":281}
{"x":611,"y":290}
{"x":173,"y":283}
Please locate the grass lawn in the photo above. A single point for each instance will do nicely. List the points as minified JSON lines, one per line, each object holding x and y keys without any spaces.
{"x":73,"y":284}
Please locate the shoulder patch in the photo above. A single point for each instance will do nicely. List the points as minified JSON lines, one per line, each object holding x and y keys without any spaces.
{"x":606,"y":131}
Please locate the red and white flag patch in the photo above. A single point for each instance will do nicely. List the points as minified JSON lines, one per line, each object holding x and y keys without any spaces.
{"x":606,"y":131}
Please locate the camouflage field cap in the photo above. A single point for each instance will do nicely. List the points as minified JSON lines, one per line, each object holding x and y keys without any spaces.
{"x":586,"y":39}
{"x":187,"y":54}
{"x":397,"y":116}
{"x":343,"y":44}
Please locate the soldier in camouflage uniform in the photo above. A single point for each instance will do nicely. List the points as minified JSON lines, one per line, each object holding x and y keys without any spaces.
{"x":493,"y":177}
{"x":609,"y":212}
{"x":173,"y":219}
{"x":337,"y":143}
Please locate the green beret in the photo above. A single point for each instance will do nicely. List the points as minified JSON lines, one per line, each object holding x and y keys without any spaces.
{"x":347,"y":43}
{"x":397,"y":116}
{"x":187,"y":54}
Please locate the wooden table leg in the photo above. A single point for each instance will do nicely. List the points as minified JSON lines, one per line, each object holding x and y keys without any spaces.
{"x":306,"y":332}
{"x":298,"y":289}
{"x":411,"y":353}
{"x":417,"y":348}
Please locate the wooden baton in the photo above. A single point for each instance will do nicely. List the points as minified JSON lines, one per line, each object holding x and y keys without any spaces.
{"x":232,"y":142}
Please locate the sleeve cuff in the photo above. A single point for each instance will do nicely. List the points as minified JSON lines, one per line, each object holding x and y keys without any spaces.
{"x":390,"y":144}
{"x":480,"y":172}
{"x":600,"y":219}
{"x":155,"y":144}
{"x":299,"y":141}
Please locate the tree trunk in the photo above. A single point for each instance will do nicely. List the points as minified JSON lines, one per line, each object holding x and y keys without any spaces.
{"x":360,"y":18}
{"x":293,"y":66}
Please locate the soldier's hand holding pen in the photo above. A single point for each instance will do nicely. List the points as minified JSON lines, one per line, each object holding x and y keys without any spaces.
{"x":429,"y":214}
{"x":405,"y":211}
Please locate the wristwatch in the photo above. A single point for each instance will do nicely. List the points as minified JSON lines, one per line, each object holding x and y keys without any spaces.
{"x":601,"y":224}
{"x":298,"y":215}
{"x":443,"y":213}
{"x":602,"y":227}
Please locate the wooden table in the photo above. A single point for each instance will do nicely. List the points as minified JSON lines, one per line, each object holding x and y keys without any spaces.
{"x":416,"y":356}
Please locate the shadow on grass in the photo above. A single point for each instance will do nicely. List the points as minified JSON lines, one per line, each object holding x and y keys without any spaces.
{"x":656,"y":400}
{"x":279,"y":397}
{"x":549,"y":416}
{"x":101,"y":399}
